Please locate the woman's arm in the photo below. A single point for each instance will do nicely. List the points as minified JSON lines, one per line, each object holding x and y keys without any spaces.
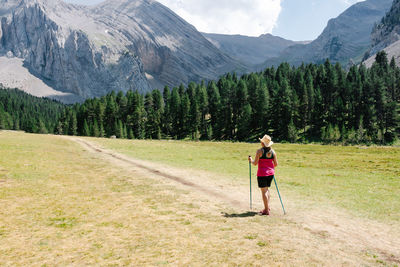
{"x":275,"y":160}
{"x":258,"y":155}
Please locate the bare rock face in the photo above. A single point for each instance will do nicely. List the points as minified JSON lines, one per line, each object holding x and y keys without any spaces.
{"x":386,"y":36}
{"x":387,"y":32}
{"x":345,"y":38}
{"x":392,"y":51}
{"x":172,"y":51}
{"x":117,"y":45}
{"x":63,"y":56}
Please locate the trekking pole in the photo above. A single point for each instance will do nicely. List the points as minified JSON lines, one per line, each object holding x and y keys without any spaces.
{"x":277,"y":189}
{"x":250,"y":185}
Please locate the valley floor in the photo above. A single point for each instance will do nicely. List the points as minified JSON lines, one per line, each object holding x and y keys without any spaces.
{"x":75,"y":201}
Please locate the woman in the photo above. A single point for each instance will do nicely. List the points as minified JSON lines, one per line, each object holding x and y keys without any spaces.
{"x":267,"y":161}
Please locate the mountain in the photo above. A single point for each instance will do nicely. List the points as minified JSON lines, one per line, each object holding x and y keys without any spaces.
{"x":392,"y":50}
{"x":250,"y":50}
{"x":387,"y":31}
{"x":345,"y":38}
{"x":117,"y":45}
{"x":386,"y":35}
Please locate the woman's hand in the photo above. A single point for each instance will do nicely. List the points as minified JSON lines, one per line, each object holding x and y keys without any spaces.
{"x":250,"y":159}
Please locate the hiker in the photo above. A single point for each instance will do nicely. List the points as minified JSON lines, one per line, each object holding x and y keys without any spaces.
{"x":267,"y":161}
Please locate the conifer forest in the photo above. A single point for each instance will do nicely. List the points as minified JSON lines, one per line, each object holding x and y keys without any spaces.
{"x":310,"y":103}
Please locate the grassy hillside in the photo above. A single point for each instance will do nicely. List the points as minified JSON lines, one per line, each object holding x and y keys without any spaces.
{"x":64,"y":205}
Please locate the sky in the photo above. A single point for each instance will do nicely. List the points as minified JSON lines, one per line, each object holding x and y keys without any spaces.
{"x":296,"y":20}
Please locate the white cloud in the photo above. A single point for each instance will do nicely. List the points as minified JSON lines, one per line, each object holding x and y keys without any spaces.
{"x":246,"y":17}
{"x":351,"y":2}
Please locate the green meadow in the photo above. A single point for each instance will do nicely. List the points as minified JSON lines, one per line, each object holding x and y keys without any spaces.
{"x":362,"y":180}
{"x":64,"y":205}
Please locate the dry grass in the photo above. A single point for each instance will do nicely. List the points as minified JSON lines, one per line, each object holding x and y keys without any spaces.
{"x":61,"y":205}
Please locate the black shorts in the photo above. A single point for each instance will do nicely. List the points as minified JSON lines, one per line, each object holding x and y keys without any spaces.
{"x":264,"y":181}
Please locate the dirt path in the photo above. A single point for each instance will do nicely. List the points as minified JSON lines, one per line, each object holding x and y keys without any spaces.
{"x":341,"y":231}
{"x":167,"y":172}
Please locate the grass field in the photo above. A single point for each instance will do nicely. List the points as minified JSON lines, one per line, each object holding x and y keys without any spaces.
{"x":63,"y":205}
{"x":363,"y":180}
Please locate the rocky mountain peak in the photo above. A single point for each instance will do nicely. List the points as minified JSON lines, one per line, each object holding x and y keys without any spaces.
{"x":387,"y":31}
{"x":115,"y":45}
{"x":345,"y":38}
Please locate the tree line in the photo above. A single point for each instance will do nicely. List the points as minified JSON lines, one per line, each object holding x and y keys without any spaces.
{"x":305,"y":104}
{"x":21,"y":111}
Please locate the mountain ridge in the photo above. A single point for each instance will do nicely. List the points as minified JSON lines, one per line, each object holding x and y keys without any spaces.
{"x":387,"y":31}
{"x":386,"y":36}
{"x":345,"y":38}
{"x":115,"y":45}
{"x":248,"y":49}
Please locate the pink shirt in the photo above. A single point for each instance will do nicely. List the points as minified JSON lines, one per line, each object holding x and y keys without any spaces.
{"x":266,"y":166}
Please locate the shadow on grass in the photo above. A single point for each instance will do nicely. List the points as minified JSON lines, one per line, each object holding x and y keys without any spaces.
{"x":240,"y":215}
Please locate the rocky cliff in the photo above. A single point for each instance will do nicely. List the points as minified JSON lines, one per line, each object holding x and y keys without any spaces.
{"x":345,"y":38}
{"x":117,"y":45}
{"x":172,"y":51}
{"x":387,"y":31}
{"x":54,"y":48}
{"x":392,"y":51}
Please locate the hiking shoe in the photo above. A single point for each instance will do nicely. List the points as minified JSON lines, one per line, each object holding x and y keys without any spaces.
{"x":264,"y":212}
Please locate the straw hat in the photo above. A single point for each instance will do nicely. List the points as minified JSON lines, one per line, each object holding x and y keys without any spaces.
{"x":266,"y":140}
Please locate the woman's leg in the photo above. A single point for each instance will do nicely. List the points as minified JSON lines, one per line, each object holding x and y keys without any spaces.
{"x":266,"y":196}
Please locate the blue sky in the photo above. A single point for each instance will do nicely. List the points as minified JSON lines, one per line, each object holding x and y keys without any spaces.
{"x":290,"y":19}
{"x":305,"y":19}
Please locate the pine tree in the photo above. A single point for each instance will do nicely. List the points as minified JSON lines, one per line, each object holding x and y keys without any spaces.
{"x":360,"y":134}
{"x":130,"y":134}
{"x":302,"y":92}
{"x":292,"y":132}
{"x":42,"y":128}
{"x":382,"y":62}
{"x":72,"y":124}
{"x":392,"y":122}
{"x":122,"y":102}
{"x":102,"y":132}
{"x":175,"y":109}
{"x":253,"y":85}
{"x":119,"y":129}
{"x":150,"y":118}
{"x":65,"y":120}
{"x":202,"y":100}
{"x":166,"y":119}
{"x":96,"y":130}
{"x":282,"y":110}
{"x":214,"y":106}
{"x":100,"y":111}
{"x":59,"y":128}
{"x":380,"y":104}
{"x":210,"y":132}
{"x":86,"y":131}
{"x":225,"y":86}
{"x":158,"y":113}
{"x":110,"y":115}
{"x":244,"y":131}
{"x":184,"y":117}
{"x":368,"y":111}
{"x":194,"y":119}
{"x":16,"y":124}
{"x":125,"y":132}
{"x":261,"y":109}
